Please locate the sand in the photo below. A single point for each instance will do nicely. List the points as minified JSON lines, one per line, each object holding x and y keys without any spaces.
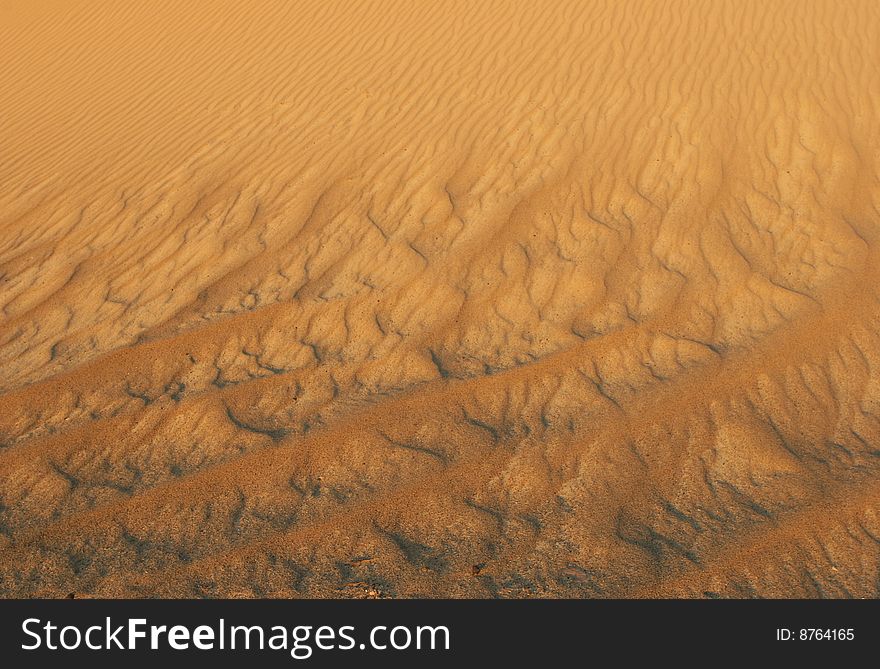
{"x":461,"y":299}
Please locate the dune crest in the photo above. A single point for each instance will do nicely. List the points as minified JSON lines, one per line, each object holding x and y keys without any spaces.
{"x":517,"y":299}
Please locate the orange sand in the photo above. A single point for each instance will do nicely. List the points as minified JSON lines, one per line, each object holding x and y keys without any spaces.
{"x":440,"y":298}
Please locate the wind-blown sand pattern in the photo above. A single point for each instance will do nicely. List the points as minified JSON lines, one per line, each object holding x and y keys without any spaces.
{"x":518,"y":299}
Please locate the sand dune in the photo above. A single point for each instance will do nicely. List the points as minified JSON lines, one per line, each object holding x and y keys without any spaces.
{"x":519,"y":299}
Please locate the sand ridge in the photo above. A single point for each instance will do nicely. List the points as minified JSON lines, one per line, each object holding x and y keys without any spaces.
{"x":439,"y":299}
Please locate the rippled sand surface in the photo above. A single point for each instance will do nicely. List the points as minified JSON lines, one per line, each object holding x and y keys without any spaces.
{"x":469,"y":299}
